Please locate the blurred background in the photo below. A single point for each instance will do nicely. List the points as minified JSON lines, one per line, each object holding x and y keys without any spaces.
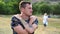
{"x":51,"y":7}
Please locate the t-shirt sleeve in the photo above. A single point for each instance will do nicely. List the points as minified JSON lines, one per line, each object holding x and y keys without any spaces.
{"x":36,"y":22}
{"x":14,"y":22}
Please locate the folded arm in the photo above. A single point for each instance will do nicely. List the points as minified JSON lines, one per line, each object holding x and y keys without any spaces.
{"x":17,"y":27}
{"x":31,"y":27}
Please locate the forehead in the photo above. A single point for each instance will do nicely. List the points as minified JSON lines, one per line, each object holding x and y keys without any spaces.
{"x":28,"y":5}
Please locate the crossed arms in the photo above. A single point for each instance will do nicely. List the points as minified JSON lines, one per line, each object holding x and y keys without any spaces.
{"x":29,"y":28}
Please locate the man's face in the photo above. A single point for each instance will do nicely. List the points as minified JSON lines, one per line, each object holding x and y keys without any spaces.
{"x":28,"y":10}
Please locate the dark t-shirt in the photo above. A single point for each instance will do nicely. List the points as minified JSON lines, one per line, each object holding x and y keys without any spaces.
{"x":15,"y":21}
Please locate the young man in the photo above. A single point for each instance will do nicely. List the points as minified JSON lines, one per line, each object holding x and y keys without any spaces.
{"x":28,"y":24}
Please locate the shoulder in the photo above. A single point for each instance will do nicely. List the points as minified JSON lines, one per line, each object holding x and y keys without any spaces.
{"x":14,"y":18}
{"x":33,"y":16}
{"x":36,"y":21}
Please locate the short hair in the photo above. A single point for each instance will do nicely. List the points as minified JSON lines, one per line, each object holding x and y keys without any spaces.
{"x":22,"y":4}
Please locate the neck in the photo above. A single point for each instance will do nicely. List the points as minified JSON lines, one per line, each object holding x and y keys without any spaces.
{"x":25,"y":17}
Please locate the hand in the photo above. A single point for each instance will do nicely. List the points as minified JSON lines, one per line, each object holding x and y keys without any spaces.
{"x":32,"y":19}
{"x":26,"y":32}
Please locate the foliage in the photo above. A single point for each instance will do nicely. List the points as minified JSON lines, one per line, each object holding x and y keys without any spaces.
{"x":12,"y":7}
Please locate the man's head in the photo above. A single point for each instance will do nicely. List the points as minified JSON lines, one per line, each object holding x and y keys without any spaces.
{"x":25,"y":8}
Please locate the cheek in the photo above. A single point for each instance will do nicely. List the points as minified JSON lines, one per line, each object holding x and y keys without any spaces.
{"x":27,"y":11}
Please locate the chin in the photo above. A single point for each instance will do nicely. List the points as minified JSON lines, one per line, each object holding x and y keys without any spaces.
{"x":30,"y":15}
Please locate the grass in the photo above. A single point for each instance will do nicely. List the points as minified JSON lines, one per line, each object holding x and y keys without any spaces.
{"x":52,"y":28}
{"x":5,"y":25}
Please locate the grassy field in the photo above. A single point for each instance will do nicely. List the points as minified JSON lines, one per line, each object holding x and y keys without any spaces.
{"x":52,"y":28}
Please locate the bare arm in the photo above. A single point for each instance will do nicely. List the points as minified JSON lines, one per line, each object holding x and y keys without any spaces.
{"x":27,"y":26}
{"x":33,"y":22}
{"x":20,"y":30}
{"x":17,"y":27}
{"x":35,"y":26}
{"x":31,"y":27}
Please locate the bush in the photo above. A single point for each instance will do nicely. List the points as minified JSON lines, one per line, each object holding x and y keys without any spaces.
{"x":9,"y":7}
{"x":12,"y":7}
{"x":56,"y":9}
{"x":46,"y":7}
{"x":41,"y":8}
{"x":2,"y":5}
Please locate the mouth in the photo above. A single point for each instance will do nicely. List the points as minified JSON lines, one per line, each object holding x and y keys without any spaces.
{"x":30,"y":11}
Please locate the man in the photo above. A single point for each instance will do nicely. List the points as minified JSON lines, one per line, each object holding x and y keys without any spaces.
{"x":28,"y":24}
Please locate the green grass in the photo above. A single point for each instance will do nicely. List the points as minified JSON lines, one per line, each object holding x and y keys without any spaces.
{"x":52,"y":28}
